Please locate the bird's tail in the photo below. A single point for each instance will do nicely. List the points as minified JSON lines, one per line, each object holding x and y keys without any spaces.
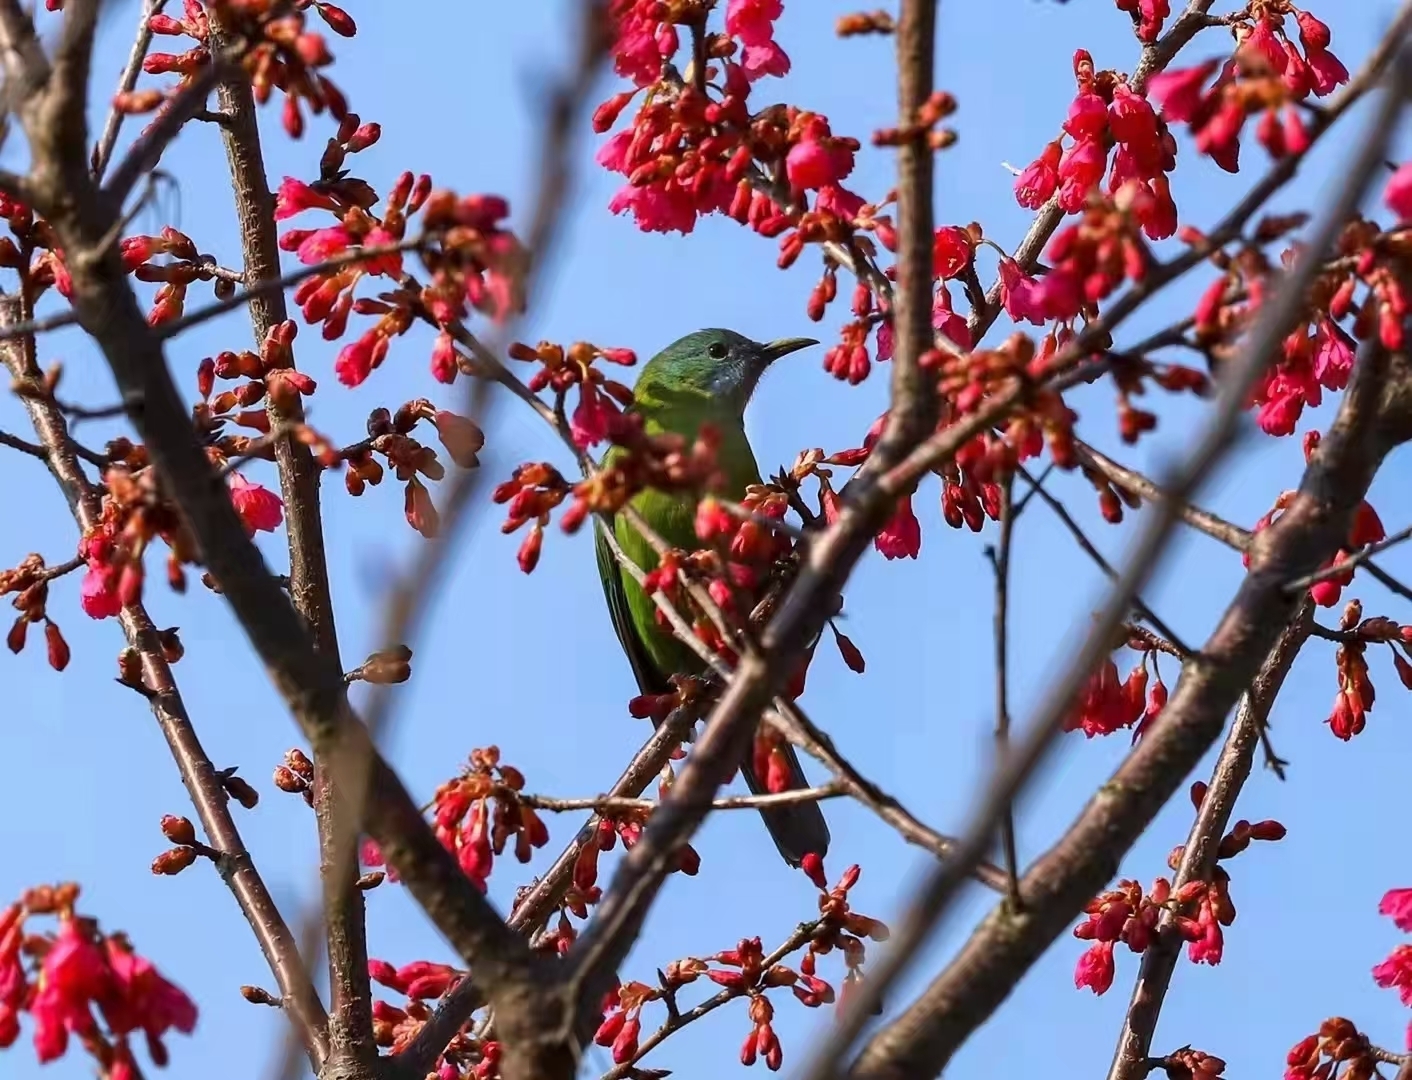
{"x":798,"y":829}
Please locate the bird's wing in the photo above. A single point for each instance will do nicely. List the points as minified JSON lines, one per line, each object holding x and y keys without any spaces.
{"x":649,"y":680}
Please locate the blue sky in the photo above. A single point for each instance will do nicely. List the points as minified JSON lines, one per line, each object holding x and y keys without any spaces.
{"x":529,"y":663}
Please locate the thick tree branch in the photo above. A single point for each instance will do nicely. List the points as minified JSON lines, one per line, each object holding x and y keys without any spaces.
{"x":911,"y":1042}
{"x":300,"y":1000}
{"x":310,"y":680}
{"x":1376,"y":416}
{"x":1232,"y":770}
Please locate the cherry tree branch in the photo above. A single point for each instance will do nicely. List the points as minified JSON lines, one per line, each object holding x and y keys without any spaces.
{"x":800,"y":618}
{"x":103,"y":149}
{"x":1233,"y":535}
{"x":1376,"y":416}
{"x":1135,"y":483}
{"x":1231,"y":772}
{"x":299,"y":999}
{"x":1374,"y":419}
{"x":352,"y":1045}
{"x":929,"y":1031}
{"x":944,"y":443}
{"x":533,"y":908}
{"x":309,"y":679}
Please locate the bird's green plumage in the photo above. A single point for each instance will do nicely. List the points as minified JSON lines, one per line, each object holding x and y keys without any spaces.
{"x":704,"y":378}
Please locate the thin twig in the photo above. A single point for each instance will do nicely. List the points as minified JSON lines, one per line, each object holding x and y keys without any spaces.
{"x":103,"y":150}
{"x":796,"y":726}
{"x":1358,"y":558}
{"x":613,"y":804}
{"x":1000,"y":562}
{"x":1081,"y":538}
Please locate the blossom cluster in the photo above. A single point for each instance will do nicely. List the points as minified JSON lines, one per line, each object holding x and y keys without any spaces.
{"x":1196,"y":912}
{"x":1108,"y":703}
{"x":1356,"y":694}
{"x":280,"y":53}
{"x":76,"y":981}
{"x":475,"y":815}
{"x":1396,"y":970}
{"x":421,"y":982}
{"x":747,"y":971}
{"x":29,"y":582}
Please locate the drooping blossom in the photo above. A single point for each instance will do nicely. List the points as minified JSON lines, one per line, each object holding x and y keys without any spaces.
{"x":260,"y":509}
{"x":901,"y":537}
{"x":1095,"y":968}
{"x":1396,"y":904}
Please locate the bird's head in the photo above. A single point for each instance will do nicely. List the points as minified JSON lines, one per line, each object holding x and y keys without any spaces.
{"x":719,"y":365}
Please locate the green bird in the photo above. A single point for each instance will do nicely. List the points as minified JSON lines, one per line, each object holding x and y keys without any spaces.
{"x":704,"y":378}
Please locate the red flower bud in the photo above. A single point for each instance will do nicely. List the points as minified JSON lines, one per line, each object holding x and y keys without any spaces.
{"x":174,"y":860}
{"x":58,"y":648}
{"x":178,"y":830}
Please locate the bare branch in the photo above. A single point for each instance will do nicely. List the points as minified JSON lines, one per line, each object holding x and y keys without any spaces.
{"x":1358,"y":558}
{"x":103,"y":149}
{"x":1000,"y":561}
{"x":814,"y":741}
{"x":1081,"y":538}
{"x":1136,"y":483}
{"x":616,"y":804}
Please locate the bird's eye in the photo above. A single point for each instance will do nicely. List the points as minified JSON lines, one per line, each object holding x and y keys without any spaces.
{"x":717,"y":350}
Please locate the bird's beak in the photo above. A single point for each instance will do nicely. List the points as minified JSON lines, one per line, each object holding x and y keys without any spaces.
{"x":773,"y":350}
